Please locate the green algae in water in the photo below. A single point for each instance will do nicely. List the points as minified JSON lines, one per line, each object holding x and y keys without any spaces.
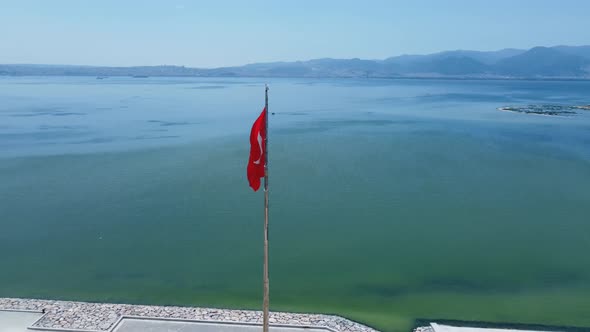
{"x":381,"y":218}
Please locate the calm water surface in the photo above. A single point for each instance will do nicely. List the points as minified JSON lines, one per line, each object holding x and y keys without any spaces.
{"x":390,"y":199}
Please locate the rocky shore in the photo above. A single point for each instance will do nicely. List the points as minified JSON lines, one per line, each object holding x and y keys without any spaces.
{"x":67,"y":315}
{"x":423,"y":329}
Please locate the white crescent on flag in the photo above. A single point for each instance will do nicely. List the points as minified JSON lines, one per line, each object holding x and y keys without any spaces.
{"x":259,"y":139}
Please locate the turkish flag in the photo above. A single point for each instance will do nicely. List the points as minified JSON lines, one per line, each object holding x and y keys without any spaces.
{"x":257,"y":151}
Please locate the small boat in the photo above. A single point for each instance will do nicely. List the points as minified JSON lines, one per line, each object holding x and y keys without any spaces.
{"x":101,"y":77}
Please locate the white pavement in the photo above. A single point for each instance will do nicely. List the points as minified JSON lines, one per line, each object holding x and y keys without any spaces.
{"x":140,"y":325}
{"x":17,"y":321}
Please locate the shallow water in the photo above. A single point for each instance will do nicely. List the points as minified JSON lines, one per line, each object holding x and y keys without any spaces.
{"x":390,"y":199}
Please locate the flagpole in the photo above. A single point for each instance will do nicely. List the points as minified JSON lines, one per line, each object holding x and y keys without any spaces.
{"x":266,"y":300}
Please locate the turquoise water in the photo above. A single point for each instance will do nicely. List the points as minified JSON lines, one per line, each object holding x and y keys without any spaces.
{"x":390,"y":199}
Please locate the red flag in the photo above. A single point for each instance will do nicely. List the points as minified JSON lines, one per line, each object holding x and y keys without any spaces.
{"x":257,"y":151}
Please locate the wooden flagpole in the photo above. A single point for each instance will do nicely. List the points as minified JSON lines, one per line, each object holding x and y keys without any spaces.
{"x":266,"y":300}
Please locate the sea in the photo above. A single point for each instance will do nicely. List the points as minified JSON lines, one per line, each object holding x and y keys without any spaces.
{"x":390,"y":199}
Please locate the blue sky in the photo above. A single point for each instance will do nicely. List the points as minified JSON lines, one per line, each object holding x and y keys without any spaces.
{"x":222,"y":32}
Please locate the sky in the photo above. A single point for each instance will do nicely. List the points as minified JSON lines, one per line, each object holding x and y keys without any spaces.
{"x":218,"y":33}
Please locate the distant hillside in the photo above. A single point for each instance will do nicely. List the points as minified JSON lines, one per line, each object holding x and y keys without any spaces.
{"x":583,"y":51}
{"x":543,"y":62}
{"x":483,"y":57}
{"x":538,"y":62}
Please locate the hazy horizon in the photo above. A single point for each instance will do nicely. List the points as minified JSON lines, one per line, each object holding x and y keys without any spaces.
{"x":233,"y":33}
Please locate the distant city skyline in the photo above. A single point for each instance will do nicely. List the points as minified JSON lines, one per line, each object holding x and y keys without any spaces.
{"x":230,"y":33}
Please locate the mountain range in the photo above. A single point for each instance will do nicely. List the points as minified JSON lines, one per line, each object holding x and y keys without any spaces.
{"x":572,"y":62}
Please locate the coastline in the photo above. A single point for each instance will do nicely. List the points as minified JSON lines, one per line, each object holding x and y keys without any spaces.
{"x":86,"y":316}
{"x":325,"y":77}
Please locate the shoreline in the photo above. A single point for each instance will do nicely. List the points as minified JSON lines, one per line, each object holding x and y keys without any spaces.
{"x":88,"y":316}
{"x":264,"y":77}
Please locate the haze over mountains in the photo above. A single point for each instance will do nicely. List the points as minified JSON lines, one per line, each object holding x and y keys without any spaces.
{"x":537,"y":62}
